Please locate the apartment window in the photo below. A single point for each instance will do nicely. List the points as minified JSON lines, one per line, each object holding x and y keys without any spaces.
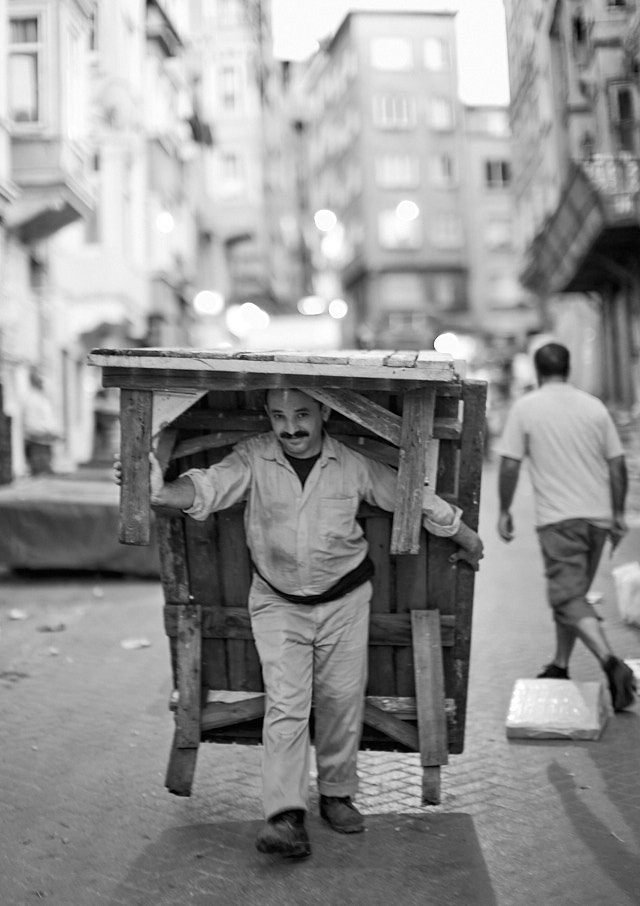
{"x":25,"y":61}
{"x":622,"y":111}
{"x":395,"y":233}
{"x":93,"y":30}
{"x":580,"y":38}
{"x":395,"y":54}
{"x":230,"y":87}
{"x":233,"y":175}
{"x":443,"y":170}
{"x":503,"y":290}
{"x":497,"y":174}
{"x":446,"y":231}
{"x":394,"y":111}
{"x":440,"y":114}
{"x":496,"y":122}
{"x":444,"y":292}
{"x":397,"y":171}
{"x":498,"y":233}
{"x":408,"y":322}
{"x":436,"y":55}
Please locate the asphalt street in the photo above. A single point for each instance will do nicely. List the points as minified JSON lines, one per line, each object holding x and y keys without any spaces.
{"x":86,"y":732}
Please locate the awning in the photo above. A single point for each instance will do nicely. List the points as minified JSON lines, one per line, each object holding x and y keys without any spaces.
{"x":40,"y":212}
{"x":588,"y":226}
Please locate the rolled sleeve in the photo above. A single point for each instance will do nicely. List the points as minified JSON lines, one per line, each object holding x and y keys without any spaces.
{"x":439,"y":517}
{"x":218,"y":487}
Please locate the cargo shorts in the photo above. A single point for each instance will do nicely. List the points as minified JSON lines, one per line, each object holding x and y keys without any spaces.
{"x":571,"y":551}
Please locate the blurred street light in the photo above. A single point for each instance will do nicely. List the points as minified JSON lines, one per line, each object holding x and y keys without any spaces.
{"x":208,"y":302}
{"x":338,"y":309}
{"x":244,"y":319}
{"x":325,"y":220}
{"x":407,"y":210}
{"x":165,"y":222}
{"x":312,"y":305}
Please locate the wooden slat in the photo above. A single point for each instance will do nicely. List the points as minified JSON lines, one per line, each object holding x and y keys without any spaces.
{"x":135,"y":445}
{"x":372,"y":448}
{"x":437,"y":366}
{"x":204,"y":576}
{"x":410,"y":592}
{"x":217,"y":422}
{"x":390,"y":380}
{"x":235,"y":576}
{"x":173,"y":559}
{"x":221,"y":714}
{"x":391,"y":726}
{"x":381,"y":673}
{"x":417,"y":423}
{"x":427,"y":655}
{"x":362,"y":411}
{"x":207,"y":442}
{"x":471,"y":454}
{"x":189,"y":664}
{"x":404,"y":359}
{"x":180,"y":769}
{"x":168,"y":406}
{"x":386,"y":629}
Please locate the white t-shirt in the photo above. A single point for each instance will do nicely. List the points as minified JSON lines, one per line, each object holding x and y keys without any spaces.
{"x":567,"y":436}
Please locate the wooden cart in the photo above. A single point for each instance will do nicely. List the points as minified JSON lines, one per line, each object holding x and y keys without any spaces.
{"x":408,"y":409}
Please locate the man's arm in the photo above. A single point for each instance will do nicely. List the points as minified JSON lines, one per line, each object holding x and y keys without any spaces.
{"x":178,"y":494}
{"x":470,"y":546}
{"x":507,"y":484}
{"x":618,"y":482}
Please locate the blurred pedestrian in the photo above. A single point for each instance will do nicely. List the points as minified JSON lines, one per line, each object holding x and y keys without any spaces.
{"x":579,"y":477}
{"x":309,"y":599}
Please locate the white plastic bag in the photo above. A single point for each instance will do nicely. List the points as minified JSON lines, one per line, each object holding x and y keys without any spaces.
{"x":627,"y":581}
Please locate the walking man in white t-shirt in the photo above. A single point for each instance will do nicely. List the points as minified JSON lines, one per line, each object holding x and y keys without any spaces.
{"x":579,"y":479}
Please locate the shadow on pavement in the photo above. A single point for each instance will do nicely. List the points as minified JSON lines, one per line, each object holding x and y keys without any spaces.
{"x":431,"y":861}
{"x":611,"y":832}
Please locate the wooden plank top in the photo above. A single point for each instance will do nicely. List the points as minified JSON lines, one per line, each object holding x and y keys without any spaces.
{"x":399,"y":365}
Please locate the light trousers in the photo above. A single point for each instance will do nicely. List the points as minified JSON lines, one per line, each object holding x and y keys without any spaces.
{"x":310,"y":653}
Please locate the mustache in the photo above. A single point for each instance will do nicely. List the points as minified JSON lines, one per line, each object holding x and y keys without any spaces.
{"x":294,"y":436}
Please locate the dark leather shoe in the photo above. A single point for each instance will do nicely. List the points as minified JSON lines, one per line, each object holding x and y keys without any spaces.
{"x":284,"y":835}
{"x":552,"y":671}
{"x":341,"y":814}
{"x":622,"y":683}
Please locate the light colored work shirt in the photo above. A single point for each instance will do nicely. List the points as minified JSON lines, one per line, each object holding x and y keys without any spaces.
{"x":303,"y":539}
{"x":567,"y":437}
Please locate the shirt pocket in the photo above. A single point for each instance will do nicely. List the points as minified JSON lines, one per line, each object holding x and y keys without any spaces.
{"x":338,"y":518}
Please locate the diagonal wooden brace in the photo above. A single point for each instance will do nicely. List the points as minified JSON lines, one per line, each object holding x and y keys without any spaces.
{"x":417,"y":428}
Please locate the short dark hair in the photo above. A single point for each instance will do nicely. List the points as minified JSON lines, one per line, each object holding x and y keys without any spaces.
{"x":552,"y":360}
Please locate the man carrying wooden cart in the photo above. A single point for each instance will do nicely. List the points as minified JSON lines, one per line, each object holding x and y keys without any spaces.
{"x":309,"y":599}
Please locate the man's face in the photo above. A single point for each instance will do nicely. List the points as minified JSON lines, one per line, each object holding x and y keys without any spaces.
{"x":297,"y":422}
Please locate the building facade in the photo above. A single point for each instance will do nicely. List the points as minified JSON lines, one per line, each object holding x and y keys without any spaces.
{"x":500,"y":309}
{"x":575,"y":118}
{"x":412,"y":177}
{"x":45,"y":159}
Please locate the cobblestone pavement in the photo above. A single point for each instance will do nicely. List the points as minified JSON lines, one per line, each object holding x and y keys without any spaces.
{"x":86,"y":735}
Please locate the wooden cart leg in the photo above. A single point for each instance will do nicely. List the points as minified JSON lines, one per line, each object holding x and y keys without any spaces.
{"x":430,"y":705}
{"x":182,"y":761}
{"x":180,"y":769}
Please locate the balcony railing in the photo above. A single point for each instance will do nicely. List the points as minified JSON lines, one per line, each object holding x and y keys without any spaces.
{"x":617,"y":179}
{"x":632,"y":37}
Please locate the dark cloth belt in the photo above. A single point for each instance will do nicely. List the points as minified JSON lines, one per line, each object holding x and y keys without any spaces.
{"x":354,"y":579}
